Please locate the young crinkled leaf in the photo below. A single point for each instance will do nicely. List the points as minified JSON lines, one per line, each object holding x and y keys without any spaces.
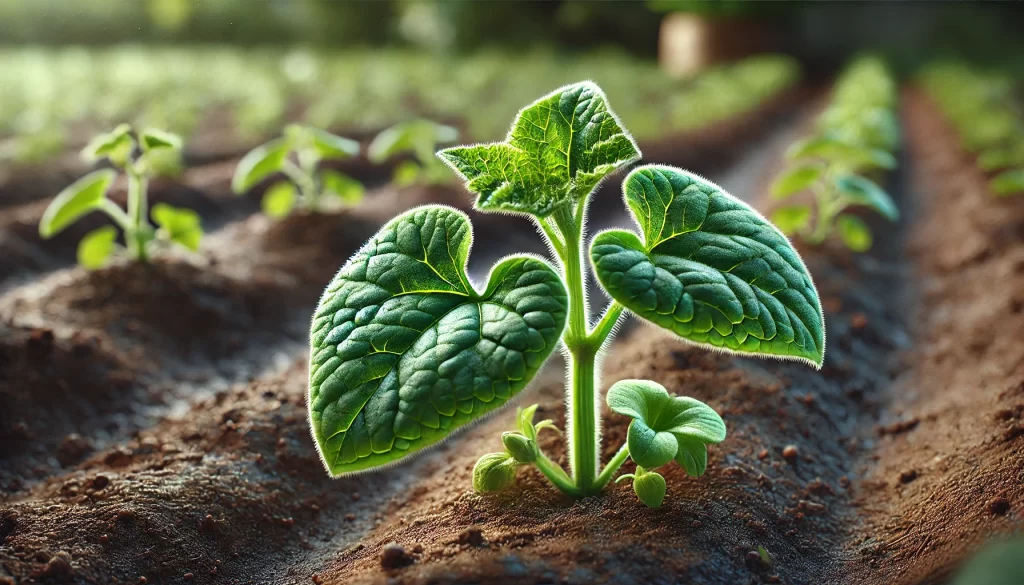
{"x":665,"y":427}
{"x":77,"y":199}
{"x":559,"y":149}
{"x":860,"y":190}
{"x":710,"y":269}
{"x":404,"y":350}
{"x":179,"y":225}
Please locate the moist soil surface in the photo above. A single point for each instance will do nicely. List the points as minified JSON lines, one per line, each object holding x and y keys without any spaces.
{"x":154,"y":426}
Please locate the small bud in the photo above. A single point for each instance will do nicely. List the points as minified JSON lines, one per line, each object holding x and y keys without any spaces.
{"x":519,"y":447}
{"x":494,"y":472}
{"x":649,"y":487}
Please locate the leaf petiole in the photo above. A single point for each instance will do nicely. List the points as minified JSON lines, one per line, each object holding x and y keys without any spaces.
{"x":613,"y":466}
{"x":556,"y":475}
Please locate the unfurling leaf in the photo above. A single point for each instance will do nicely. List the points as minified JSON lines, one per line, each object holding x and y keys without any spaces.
{"x":524,"y":420}
{"x":279,"y":200}
{"x":664,"y":426}
{"x":860,"y":190}
{"x":404,"y":350}
{"x":854,"y":233}
{"x":559,"y":149}
{"x":710,"y":269}
{"x":521,"y":448}
{"x":650,"y":487}
{"x":342,"y":186}
{"x":1008,"y":183}
{"x":96,"y":247}
{"x":494,"y":472}
{"x":260,"y":163}
{"x":795,"y":180}
{"x":116,"y":145}
{"x":77,"y":199}
{"x":791,"y":219}
{"x":152,"y":138}
{"x":179,"y":225}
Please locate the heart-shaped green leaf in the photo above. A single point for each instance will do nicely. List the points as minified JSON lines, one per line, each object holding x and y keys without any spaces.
{"x":664,"y":426}
{"x":559,"y":149}
{"x":77,"y":199}
{"x":404,"y":350}
{"x":260,"y":163}
{"x":649,"y":487}
{"x":710,"y":269}
{"x":860,"y":190}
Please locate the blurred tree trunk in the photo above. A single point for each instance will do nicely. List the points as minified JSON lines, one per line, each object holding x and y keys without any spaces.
{"x":689,"y":43}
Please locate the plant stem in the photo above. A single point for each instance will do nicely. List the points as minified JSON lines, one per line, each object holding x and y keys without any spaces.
{"x":583,"y":422}
{"x":138,"y":214}
{"x":556,"y":475}
{"x":612,"y":467}
{"x":304,"y":181}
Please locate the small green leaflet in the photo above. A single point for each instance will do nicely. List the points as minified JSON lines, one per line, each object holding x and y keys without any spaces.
{"x":260,"y":163}
{"x":404,"y":350}
{"x":559,"y":149}
{"x":152,"y":138}
{"x":96,"y":247}
{"x":791,"y":219}
{"x":77,"y":199}
{"x":179,"y":225}
{"x":665,"y":427}
{"x":795,"y":180}
{"x":279,"y":200}
{"x":710,"y":269}
{"x":860,"y":190}
{"x":854,"y":233}
{"x":342,"y":186}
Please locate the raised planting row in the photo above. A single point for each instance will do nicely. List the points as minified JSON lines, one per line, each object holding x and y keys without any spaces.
{"x":988,"y":117}
{"x":230,"y":96}
{"x":854,"y":142}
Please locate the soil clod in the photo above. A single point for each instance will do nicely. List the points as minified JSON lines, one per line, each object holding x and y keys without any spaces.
{"x":394,"y":556}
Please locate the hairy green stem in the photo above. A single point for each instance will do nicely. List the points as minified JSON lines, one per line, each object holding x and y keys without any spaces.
{"x":556,"y":475}
{"x":612,"y":467}
{"x":606,"y":325}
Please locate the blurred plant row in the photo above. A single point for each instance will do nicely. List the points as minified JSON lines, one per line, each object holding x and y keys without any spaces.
{"x":53,"y":99}
{"x":987,"y":117}
{"x":840,"y":164}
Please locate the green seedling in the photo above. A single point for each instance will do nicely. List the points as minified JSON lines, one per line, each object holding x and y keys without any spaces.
{"x":406,"y":350}
{"x":131,"y":153}
{"x":297,"y":155}
{"x":421,"y":139}
{"x":858,"y":133}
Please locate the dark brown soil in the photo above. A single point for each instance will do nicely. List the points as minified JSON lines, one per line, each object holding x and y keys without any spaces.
{"x":154,"y":424}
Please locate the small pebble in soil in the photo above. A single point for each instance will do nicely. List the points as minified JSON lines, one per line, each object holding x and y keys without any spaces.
{"x":189,"y":576}
{"x":762,"y":454}
{"x":350,"y":517}
{"x":143,"y":581}
{"x":998,"y":506}
{"x":355,"y":496}
{"x":790,"y":453}
{"x":858,"y":320}
{"x":908,"y":475}
{"x":59,"y":566}
{"x":393,"y":556}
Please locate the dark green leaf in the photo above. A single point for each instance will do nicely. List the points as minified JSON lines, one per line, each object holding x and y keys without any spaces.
{"x":860,"y":190}
{"x":179,"y":225}
{"x":854,"y":233}
{"x":795,"y":180}
{"x":405,"y":351}
{"x":558,"y":150}
{"x":77,"y":199}
{"x":259,"y":164}
{"x":710,"y":269}
{"x":96,"y":247}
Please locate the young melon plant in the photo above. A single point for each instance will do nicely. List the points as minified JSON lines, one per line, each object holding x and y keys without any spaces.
{"x":405,"y":349}
{"x":132,"y":154}
{"x":297,"y":155}
{"x":982,"y":108}
{"x":857,"y":135}
{"x":420,"y":138}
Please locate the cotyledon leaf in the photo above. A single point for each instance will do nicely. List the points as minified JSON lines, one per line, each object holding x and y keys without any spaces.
{"x":710,"y":269}
{"x":404,"y":349}
{"x":558,"y":150}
